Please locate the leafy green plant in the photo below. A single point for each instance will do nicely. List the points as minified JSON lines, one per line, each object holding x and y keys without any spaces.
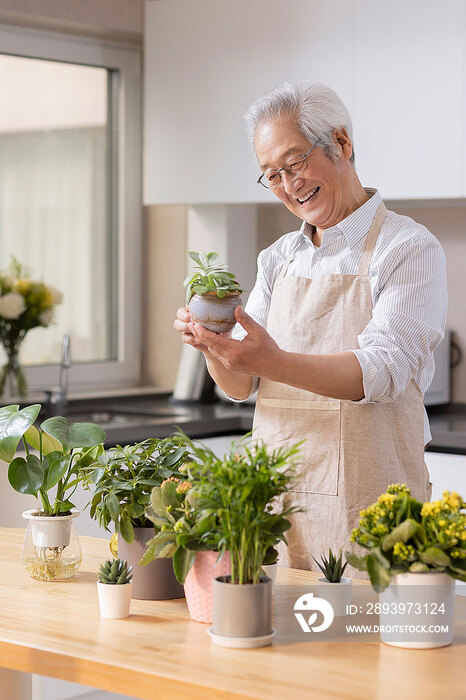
{"x":209,"y":277}
{"x":115,"y":571}
{"x":125,"y":477}
{"x":331,"y":566}
{"x":403,"y":534}
{"x":239,"y":496}
{"x":63,"y":452}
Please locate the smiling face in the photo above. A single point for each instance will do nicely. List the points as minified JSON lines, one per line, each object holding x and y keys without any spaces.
{"x":326,"y":191}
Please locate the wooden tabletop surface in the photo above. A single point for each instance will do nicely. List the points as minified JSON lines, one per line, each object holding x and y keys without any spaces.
{"x":54,"y":629}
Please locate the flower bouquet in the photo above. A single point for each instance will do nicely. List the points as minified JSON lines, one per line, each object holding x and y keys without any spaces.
{"x":24,"y":304}
{"x":404,"y":535}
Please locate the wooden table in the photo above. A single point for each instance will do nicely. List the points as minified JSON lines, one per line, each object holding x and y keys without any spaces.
{"x":54,"y":629}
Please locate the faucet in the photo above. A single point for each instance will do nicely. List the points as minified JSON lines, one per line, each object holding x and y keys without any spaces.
{"x":57,"y":398}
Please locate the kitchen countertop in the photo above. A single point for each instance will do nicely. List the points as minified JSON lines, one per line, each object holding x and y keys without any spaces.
{"x":448,"y":428}
{"x":158,"y":653}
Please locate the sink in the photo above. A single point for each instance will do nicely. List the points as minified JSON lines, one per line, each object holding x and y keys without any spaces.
{"x":124,"y":418}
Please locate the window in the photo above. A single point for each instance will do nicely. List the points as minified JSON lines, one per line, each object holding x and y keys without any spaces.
{"x":70,"y":198}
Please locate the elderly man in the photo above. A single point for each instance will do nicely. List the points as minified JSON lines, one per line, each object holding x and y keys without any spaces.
{"x":340,"y":326}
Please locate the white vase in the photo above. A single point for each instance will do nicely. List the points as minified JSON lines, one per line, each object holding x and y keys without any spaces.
{"x":337,"y":594}
{"x":270,"y":570}
{"x":51,"y":548}
{"x":114,"y":599}
{"x":411,"y":610}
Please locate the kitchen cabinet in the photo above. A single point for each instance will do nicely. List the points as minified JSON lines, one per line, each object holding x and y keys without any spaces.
{"x":398,"y":66}
{"x":447,"y":472}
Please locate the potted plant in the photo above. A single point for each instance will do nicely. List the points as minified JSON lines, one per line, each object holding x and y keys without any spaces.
{"x":243,"y":491}
{"x":212,"y":293}
{"x":57,"y":455}
{"x":124,"y":479}
{"x":334,"y":587}
{"x":114,"y":588}
{"x":416,"y":551}
{"x":189,"y":535}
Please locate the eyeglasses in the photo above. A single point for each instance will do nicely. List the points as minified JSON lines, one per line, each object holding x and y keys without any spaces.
{"x":273,"y":178}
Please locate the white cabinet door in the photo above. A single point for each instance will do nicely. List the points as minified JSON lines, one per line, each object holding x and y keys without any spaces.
{"x":447,"y":473}
{"x":205,"y":62}
{"x":408,"y":97}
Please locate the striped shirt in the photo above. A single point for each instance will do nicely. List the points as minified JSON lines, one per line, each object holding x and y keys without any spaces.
{"x":409,"y":294}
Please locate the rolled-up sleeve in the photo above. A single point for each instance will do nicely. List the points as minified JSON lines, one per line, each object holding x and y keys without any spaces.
{"x":408,"y":320}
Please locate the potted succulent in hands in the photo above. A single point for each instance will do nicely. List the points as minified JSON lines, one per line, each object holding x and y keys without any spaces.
{"x":124,"y":479}
{"x":334,"y":587}
{"x":243,"y":491}
{"x":212,"y":293}
{"x":57,"y":455}
{"x":189,"y":535}
{"x":114,"y":588}
{"x":416,"y":551}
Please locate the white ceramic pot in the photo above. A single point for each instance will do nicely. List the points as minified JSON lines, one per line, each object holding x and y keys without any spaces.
{"x":337,"y":594}
{"x":270,"y":570}
{"x":50,"y":531}
{"x":417,"y":611}
{"x":213,"y":313}
{"x":114,"y":599}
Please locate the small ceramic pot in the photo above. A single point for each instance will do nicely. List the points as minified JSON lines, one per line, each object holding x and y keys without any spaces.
{"x":213,"y":313}
{"x":114,"y":599}
{"x":270,"y":570}
{"x":199,"y":583}
{"x":417,"y":610}
{"x":337,"y":594}
{"x":242,"y":611}
{"x":154,"y":581}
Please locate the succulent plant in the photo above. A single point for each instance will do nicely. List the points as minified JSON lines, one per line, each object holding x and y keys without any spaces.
{"x":115,"y":571}
{"x":209,"y":277}
{"x":331,"y":567}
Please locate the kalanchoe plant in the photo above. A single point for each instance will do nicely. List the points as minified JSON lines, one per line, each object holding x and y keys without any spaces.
{"x":115,"y":571}
{"x":209,"y":277}
{"x":331,"y":566}
{"x":125,"y":477}
{"x":403,"y":534}
{"x":62,"y":454}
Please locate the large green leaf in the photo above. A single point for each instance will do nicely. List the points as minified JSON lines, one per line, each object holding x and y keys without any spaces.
{"x":26,"y":475}
{"x":169,"y":495}
{"x":55,"y":467}
{"x":378,"y":574}
{"x":72,"y":435}
{"x":13,"y":425}
{"x":49,"y":444}
{"x":183,"y":560}
{"x":113,"y":505}
{"x":126,"y":528}
{"x":356,"y":561}
{"x":401,"y":533}
{"x":435,"y":556}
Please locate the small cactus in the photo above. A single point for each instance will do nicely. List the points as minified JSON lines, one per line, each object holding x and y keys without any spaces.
{"x":115,"y":571}
{"x":331,"y":567}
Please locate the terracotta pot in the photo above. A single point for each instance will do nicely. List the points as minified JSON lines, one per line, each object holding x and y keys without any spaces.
{"x":213,"y":313}
{"x":199,"y":583}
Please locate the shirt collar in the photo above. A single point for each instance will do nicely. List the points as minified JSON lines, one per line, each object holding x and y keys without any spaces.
{"x":356,"y":225}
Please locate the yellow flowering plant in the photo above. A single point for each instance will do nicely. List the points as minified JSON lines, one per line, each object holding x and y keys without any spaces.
{"x":24,"y":304}
{"x":403,"y":534}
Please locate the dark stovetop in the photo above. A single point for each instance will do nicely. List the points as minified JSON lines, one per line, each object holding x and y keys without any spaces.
{"x":448,"y":428}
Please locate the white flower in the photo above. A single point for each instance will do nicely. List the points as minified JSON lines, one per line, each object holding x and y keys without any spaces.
{"x":11,"y":305}
{"x":57,"y":296}
{"x":46,"y":317}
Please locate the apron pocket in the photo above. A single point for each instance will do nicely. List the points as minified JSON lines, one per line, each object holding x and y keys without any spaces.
{"x":285,"y":422}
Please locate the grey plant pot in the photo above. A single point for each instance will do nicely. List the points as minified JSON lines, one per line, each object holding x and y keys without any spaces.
{"x":242,"y":611}
{"x":155,"y":581}
{"x":215,"y":314}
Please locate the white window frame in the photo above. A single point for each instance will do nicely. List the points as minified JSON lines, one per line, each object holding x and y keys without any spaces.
{"x":125,"y":371}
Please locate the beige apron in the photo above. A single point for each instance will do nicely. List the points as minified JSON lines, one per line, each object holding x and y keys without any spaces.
{"x":352,"y":451}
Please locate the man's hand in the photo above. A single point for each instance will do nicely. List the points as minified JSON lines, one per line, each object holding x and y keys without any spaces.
{"x":181,"y":324}
{"x":256,"y":355}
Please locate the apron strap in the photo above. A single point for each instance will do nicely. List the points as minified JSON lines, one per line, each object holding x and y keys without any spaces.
{"x":371,"y":239}
{"x":284,"y":268}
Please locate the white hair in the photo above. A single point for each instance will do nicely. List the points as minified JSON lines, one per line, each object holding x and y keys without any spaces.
{"x":317,"y":109}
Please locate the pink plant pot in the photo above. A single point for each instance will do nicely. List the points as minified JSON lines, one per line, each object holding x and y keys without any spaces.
{"x":199,"y":583}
